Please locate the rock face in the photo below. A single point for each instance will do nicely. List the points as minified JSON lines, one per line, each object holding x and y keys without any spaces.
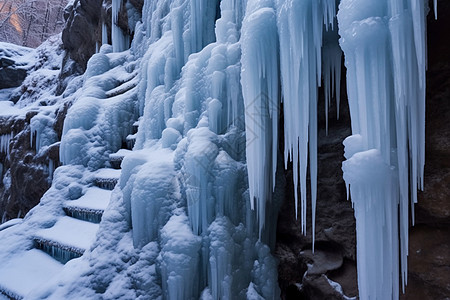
{"x":10,"y":76}
{"x":81,"y":32}
{"x":12,"y":71}
{"x":25,"y":175}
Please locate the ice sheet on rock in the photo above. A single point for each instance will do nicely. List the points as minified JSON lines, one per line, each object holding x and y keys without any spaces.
{"x":41,"y":130}
{"x":70,"y":232}
{"x":27,"y":271}
{"x":95,"y":198}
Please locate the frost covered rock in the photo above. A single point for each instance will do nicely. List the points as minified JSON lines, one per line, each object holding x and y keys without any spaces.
{"x":13,"y":65}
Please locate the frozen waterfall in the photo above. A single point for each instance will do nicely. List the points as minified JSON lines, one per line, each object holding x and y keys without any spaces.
{"x":212,"y":82}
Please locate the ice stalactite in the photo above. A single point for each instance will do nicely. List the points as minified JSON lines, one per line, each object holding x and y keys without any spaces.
{"x":260,"y":81}
{"x":120,"y":40}
{"x":300,"y":26}
{"x":384,"y":46}
{"x":104,"y":34}
{"x":331,"y":70}
{"x":4,"y":142}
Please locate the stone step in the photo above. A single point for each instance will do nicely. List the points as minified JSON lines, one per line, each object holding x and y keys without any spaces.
{"x":8,"y":295}
{"x":85,"y":214}
{"x":131,"y":141}
{"x":115,"y":159}
{"x":107,"y":178}
{"x":135,"y":127}
{"x":90,"y":206}
{"x":60,"y":252}
{"x":67,"y":239}
{"x":25,"y":272}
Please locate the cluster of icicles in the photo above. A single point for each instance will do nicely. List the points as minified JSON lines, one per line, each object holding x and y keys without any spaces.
{"x":293,"y":45}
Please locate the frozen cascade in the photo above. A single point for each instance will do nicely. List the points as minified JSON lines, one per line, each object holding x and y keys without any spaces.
{"x":385,"y":56}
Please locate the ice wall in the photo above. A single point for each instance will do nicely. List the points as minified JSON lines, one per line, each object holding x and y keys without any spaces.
{"x":191,"y":139}
{"x":385,"y":56}
{"x":212,"y":78}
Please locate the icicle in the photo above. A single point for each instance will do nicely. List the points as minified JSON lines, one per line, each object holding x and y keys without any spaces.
{"x":300,"y":26}
{"x":120,"y":40}
{"x":435,"y":9}
{"x":5,"y":139}
{"x":260,"y":90}
{"x":331,"y":57}
{"x":385,"y":59}
{"x":104,"y":34}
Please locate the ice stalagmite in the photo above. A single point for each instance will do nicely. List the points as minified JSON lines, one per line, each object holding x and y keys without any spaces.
{"x":384,"y":46}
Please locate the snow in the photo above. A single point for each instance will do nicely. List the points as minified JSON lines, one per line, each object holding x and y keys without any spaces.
{"x":94,"y":198}
{"x":7,"y":108}
{"x":26,"y":272}
{"x":10,"y":223}
{"x":70,"y":232}
{"x":107,"y":173}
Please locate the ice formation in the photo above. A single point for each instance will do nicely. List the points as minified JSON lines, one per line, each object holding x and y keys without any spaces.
{"x":4,"y":142}
{"x":385,"y":56}
{"x":207,"y":83}
{"x":120,"y":39}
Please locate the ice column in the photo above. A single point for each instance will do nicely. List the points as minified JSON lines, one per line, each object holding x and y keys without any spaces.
{"x":120,"y":40}
{"x":384,"y":46}
{"x":260,"y":73}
